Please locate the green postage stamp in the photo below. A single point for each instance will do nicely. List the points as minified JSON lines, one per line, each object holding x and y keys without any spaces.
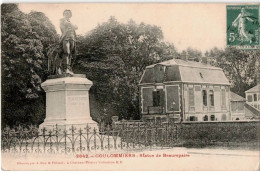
{"x":243,"y":26}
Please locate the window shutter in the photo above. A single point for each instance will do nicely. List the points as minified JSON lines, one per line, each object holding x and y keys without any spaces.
{"x":162,"y":97}
{"x":172,"y":96}
{"x":147,"y":98}
{"x":191,"y":97}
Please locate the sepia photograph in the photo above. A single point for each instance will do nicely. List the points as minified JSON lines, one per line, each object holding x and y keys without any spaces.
{"x":130,"y":86}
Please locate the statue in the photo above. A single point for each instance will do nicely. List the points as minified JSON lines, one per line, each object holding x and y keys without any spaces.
{"x":240,"y":23}
{"x":67,"y":40}
{"x":60,"y":57}
{"x":75,"y":86}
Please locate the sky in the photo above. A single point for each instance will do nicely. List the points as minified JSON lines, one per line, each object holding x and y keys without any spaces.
{"x":199,"y":26}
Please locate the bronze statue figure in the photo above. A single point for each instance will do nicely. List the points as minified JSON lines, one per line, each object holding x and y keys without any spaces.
{"x":68,"y":39}
{"x":60,"y":57}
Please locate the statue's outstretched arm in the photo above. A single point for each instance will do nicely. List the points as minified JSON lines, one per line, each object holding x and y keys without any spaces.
{"x":248,"y":18}
{"x":235,"y":21}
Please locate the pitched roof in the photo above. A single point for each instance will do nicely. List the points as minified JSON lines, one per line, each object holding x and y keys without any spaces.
{"x":235,"y":97}
{"x":188,"y":63}
{"x":252,"y":109}
{"x":254,"y":89}
{"x":184,"y":71}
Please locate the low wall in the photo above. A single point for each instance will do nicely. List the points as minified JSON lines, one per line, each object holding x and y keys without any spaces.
{"x":205,"y":133}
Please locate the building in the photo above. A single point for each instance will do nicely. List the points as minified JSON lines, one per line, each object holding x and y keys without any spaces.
{"x":237,"y":107}
{"x":252,"y":105}
{"x":253,"y":97}
{"x":184,"y":90}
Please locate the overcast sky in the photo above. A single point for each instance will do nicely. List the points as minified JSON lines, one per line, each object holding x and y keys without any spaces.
{"x":200,"y":26}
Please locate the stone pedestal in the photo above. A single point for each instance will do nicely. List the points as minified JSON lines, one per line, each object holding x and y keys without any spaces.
{"x":67,"y":102}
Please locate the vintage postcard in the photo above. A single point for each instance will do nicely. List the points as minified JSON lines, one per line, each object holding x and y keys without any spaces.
{"x":130,"y":86}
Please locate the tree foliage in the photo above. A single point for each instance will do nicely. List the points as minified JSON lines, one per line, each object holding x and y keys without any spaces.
{"x":240,"y":66}
{"x":24,"y":42}
{"x":191,"y":54}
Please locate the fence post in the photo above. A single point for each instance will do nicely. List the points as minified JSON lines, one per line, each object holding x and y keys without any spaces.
{"x":87,"y":131}
{"x":57,"y":137}
{"x":72,"y":138}
{"x":44,"y":138}
{"x":80,"y":143}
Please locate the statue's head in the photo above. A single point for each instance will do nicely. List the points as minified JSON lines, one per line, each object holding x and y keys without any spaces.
{"x":67,"y":14}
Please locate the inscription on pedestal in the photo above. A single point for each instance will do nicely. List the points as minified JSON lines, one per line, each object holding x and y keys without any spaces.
{"x":77,"y":104}
{"x":77,"y":100}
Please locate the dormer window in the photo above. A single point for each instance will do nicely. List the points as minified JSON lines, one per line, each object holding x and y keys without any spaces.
{"x":201,"y":75}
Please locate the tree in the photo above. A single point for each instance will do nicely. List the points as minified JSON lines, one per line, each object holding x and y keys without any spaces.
{"x":191,"y":54}
{"x":240,"y":66}
{"x":24,"y":42}
{"x":44,"y":29}
{"x":114,"y":55}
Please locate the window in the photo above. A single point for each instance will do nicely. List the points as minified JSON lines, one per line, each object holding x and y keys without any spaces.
{"x":191,"y":97}
{"x":223,"y":97}
{"x":237,"y":106}
{"x":240,"y":106}
{"x":193,"y":118}
{"x":224,"y":117}
{"x":172,"y":94}
{"x":255,"y":97}
{"x":212,"y":118}
{"x":237,"y":118}
{"x":157,"y":98}
{"x":147,"y":98}
{"x":204,"y":95}
{"x":211,"y":96}
{"x":233,"y":106}
{"x":205,"y":118}
{"x":249,"y":98}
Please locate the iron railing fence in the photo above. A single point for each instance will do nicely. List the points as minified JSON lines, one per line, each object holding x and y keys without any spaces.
{"x":75,"y":139}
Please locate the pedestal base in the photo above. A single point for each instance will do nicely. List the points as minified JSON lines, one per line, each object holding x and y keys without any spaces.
{"x":67,"y":103}
{"x":68,"y":124}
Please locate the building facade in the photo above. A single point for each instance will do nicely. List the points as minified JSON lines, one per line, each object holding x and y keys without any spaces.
{"x":237,"y":107}
{"x":253,"y":96}
{"x":184,"y":90}
{"x":252,"y":105}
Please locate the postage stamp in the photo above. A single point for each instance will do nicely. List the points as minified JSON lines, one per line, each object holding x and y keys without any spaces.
{"x":243,"y":26}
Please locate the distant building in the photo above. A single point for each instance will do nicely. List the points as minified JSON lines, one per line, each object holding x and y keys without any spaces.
{"x":188,"y":90}
{"x":253,"y":96}
{"x":237,"y":107}
{"x":252,"y":106}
